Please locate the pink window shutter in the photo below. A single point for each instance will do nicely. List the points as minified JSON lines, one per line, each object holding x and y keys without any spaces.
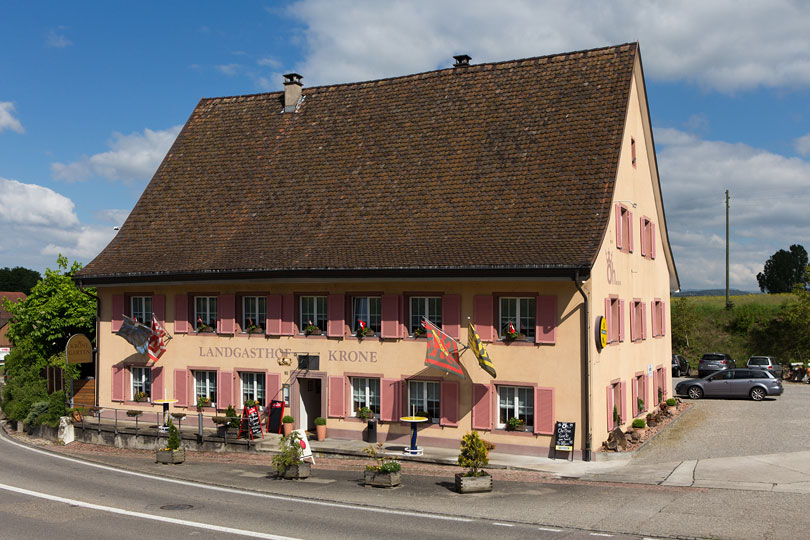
{"x":272,"y":385}
{"x":609,"y":405}
{"x":236,"y":390}
{"x":224,"y":389}
{"x":546,"y":320}
{"x":483,"y":317}
{"x":655,"y":387}
{"x":181,"y":387}
{"x":404,"y":313}
{"x":663,"y":318}
{"x":451,"y":315}
{"x":482,"y":407}
{"x":337,"y":397}
{"x":118,"y":380}
{"x":336,"y":312}
{"x":159,"y":308}
{"x":621,"y":320}
{"x":664,"y":384}
{"x":117,"y":315}
{"x":180,"y":314}
{"x":449,"y":403}
{"x":652,"y":240}
{"x":633,"y":334}
{"x":643,"y":228}
{"x":287,"y":315}
{"x":630,"y":231}
{"x":643,"y":320}
{"x":390,"y":316}
{"x":544,"y":411}
{"x":388,"y":400}
{"x":226,"y":307}
{"x":610,"y":336}
{"x":623,"y":407}
{"x":273,"y":315}
{"x":158,"y":392}
{"x":646,"y":392}
{"x":618,"y":226}
{"x":634,"y":398}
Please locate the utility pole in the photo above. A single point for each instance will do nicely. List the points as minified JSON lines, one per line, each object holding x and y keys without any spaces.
{"x":728,"y":303}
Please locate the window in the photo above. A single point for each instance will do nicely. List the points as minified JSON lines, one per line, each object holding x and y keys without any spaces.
{"x":141,"y":382}
{"x":640,"y":394}
{"x":658,"y":324}
{"x":254,"y":312}
{"x":141,"y":309}
{"x":617,"y":412}
{"x":624,"y":228}
{"x":515,"y":402}
{"x":425,"y":307}
{"x":647,"y":238}
{"x":205,"y":385}
{"x":252,"y":387}
{"x":520,"y":312}
{"x":365,"y":393}
{"x":367,"y":309}
{"x":205,"y":312}
{"x":423,"y":396}
{"x":615,"y":312}
{"x":637,"y":326}
{"x":313,"y":311}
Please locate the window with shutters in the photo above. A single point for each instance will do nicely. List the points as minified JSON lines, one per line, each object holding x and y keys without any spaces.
{"x":252,"y":387}
{"x":615,"y":320}
{"x":141,"y":382}
{"x":658,"y":318}
{"x":141,"y":309}
{"x":517,"y":315}
{"x":637,"y":326}
{"x":369,"y":310}
{"x":205,"y":385}
{"x":424,"y":397}
{"x":424,"y":307}
{"x":639,"y":392}
{"x":515,"y":402}
{"x":313,"y":312}
{"x":365,"y":393}
{"x":254,"y":313}
{"x":205,"y":313}
{"x":647,"y":238}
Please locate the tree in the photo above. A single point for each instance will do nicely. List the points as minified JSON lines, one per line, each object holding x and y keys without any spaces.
{"x":684,"y":319}
{"x":784,"y":270}
{"x":18,"y":279}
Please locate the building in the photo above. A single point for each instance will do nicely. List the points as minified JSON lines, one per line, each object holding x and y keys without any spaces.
{"x":522,"y":192}
{"x":5,"y":319}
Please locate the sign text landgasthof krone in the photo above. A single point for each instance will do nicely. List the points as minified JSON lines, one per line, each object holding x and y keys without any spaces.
{"x":79,"y":350}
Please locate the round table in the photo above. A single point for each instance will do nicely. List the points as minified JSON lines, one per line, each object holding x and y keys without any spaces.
{"x":413,"y":450}
{"x":165,"y":402}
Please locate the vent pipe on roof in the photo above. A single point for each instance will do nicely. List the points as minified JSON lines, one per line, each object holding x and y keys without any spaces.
{"x":292,"y":91}
{"x":462,"y":60}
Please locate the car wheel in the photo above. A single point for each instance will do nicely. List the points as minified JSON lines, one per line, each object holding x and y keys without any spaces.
{"x":695,"y":392}
{"x":757,"y":393}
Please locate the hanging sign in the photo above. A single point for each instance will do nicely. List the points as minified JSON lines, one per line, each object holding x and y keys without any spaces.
{"x":602,"y":333}
{"x":79,"y":350}
{"x":250,"y":422}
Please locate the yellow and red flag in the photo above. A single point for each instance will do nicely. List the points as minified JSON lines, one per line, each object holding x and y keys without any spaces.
{"x":442,"y":351}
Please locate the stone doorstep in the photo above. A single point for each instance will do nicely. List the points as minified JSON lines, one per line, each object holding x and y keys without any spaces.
{"x":630,"y":454}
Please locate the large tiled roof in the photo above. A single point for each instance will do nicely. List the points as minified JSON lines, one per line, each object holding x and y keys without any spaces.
{"x":506,"y":166}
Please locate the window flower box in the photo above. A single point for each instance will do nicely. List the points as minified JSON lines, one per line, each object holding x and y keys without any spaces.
{"x":312,"y":330}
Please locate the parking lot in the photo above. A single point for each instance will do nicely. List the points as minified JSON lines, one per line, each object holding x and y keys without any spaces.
{"x":735,"y":427}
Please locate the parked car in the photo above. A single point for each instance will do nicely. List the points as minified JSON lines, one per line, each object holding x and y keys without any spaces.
{"x":680,"y":366}
{"x":711,"y":362}
{"x":735,"y":382}
{"x":765,"y":362}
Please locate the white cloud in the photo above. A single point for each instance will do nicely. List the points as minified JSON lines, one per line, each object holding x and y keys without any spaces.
{"x":723,"y":44}
{"x":33,"y":205}
{"x":768,"y":206}
{"x":802,"y":145}
{"x":228,"y":69}
{"x":7,"y":120}
{"x":57,"y":40}
{"x":132,"y":158}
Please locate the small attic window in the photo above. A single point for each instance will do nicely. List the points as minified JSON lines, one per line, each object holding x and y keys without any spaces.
{"x":633,"y":151}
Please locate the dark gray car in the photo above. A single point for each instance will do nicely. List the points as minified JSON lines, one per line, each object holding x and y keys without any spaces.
{"x":768,"y":363}
{"x":742,"y":382}
{"x":711,"y":362}
{"x":680,"y":366}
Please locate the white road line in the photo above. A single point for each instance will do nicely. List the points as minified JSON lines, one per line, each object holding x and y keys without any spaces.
{"x":601,"y":534}
{"x":197,"y":485}
{"x":141,"y":515}
{"x":502,"y":524}
{"x":548,"y":530}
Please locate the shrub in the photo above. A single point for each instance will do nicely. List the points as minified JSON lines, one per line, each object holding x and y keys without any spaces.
{"x":639,"y":423}
{"x":290,"y":452}
{"x":474,"y":454}
{"x":231,"y":413}
{"x":320,"y":421}
{"x":671,"y":402}
{"x":174,"y":437}
{"x":382,"y":462}
{"x":37,"y":410}
{"x":640,"y":404}
{"x":288,"y":419}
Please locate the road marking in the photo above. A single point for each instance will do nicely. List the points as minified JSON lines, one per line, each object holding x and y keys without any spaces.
{"x":141,"y":515}
{"x":502,"y":524}
{"x":548,"y":530}
{"x":601,"y":534}
{"x":222,"y":489}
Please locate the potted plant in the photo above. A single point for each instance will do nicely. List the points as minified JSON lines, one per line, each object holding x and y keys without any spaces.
{"x":141,"y":396}
{"x":640,"y":404}
{"x":311,"y":330}
{"x":364,"y":413}
{"x":385,"y":471}
{"x":617,"y":419}
{"x":364,"y":330}
{"x":203,"y":402}
{"x":173,"y":453}
{"x":639,"y":423}
{"x":424,"y":414}
{"x":419,"y":331}
{"x":233,"y":422}
{"x":320,"y":428}
{"x":474,"y":456}
{"x":287,"y":423}
{"x":515,"y":424}
{"x":253,"y":328}
{"x":510,"y":333}
{"x":202,"y":327}
{"x":288,"y":462}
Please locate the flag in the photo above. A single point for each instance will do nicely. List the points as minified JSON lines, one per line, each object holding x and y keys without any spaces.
{"x":157,"y":341}
{"x":442,"y":351}
{"x":475,"y":345}
{"x":135,"y":333}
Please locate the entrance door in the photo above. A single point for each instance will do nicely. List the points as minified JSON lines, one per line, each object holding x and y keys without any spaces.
{"x":310,"y":405}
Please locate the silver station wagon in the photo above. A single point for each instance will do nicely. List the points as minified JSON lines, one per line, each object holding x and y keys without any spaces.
{"x":738,"y":382}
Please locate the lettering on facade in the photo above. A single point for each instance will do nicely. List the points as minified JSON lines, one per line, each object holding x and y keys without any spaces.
{"x":611,"y":272}
{"x":261,"y":353}
{"x":352,"y":356}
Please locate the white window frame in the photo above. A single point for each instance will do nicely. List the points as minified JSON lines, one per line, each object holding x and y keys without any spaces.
{"x":362,"y":388}
{"x":373,"y":320}
{"x":257,"y":312}
{"x":206,"y":312}
{"x":316,"y":312}
{"x":414,"y":405}
{"x":205,"y":385}
{"x":429,"y":307}
{"x":525,"y":323}
{"x":513,"y":393}
{"x":140,"y":308}
{"x":141,"y":381}
{"x":252,"y":386}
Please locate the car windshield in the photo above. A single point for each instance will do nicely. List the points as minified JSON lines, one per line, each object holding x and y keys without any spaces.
{"x":758,"y":361}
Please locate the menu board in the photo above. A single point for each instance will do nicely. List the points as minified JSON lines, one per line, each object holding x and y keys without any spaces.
{"x":274,"y":415}
{"x":251,"y":424}
{"x":564,"y":436}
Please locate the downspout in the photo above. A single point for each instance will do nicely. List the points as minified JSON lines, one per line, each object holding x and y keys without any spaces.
{"x":98,"y":318}
{"x":586,"y":368}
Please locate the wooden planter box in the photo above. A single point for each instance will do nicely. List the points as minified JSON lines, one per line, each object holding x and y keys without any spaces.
{"x":382,"y":479}
{"x":170,"y":456}
{"x":473,"y":484}
{"x":298,"y":472}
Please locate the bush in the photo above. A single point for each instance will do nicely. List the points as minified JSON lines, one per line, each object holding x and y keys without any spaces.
{"x":231,"y":413}
{"x":290,"y":452}
{"x":671,"y":402}
{"x":639,"y":423}
{"x":474,"y":454}
{"x":288,"y":420}
{"x":174,"y":437}
{"x":37,"y":410}
{"x":320,"y":421}
{"x":382,"y":462}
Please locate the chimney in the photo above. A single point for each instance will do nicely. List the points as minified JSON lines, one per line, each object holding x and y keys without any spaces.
{"x":462,"y":60}
{"x":292,"y":91}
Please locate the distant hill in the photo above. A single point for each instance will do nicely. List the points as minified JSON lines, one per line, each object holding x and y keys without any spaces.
{"x":715,"y":292}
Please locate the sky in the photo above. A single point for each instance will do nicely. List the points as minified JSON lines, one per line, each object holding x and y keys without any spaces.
{"x":92,"y":95}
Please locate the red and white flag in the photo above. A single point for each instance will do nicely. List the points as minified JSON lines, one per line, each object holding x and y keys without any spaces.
{"x":157,"y":341}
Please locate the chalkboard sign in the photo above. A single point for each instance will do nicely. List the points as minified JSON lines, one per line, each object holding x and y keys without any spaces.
{"x":564,"y":436}
{"x":274,"y":415}
{"x":251,"y":423}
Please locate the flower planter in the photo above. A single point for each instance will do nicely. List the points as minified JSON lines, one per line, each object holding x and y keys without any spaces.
{"x":170,"y":456}
{"x":473,"y":484}
{"x":382,"y":479}
{"x":287,"y":428}
{"x":316,"y":332}
{"x":320,"y":431}
{"x":297,"y":472}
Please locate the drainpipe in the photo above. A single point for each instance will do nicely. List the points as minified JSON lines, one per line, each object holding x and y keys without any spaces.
{"x":586,"y":368}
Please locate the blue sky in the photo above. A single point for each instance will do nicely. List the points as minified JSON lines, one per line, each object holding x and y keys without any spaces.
{"x":93,"y":94}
